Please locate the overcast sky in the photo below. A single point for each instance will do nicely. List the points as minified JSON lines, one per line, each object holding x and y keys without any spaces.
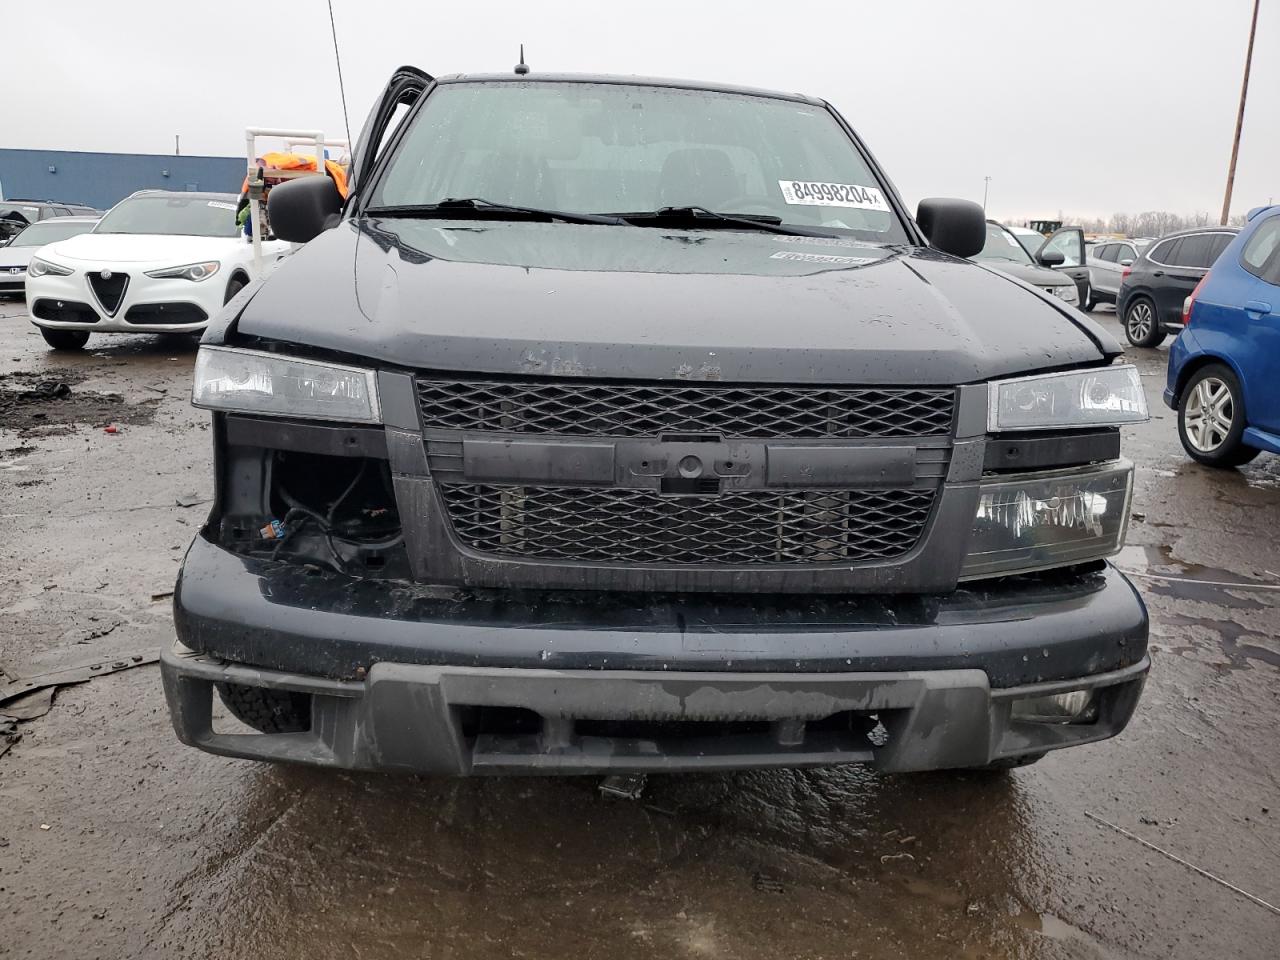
{"x":1084,"y":106}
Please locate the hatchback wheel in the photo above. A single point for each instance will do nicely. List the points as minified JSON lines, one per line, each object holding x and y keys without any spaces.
{"x":1142,"y":323}
{"x":1211,"y":418}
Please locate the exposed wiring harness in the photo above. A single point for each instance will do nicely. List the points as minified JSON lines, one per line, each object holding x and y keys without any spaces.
{"x":299,"y":515}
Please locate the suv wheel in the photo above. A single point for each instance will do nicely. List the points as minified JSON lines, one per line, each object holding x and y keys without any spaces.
{"x":65,"y":339}
{"x":1211,"y":418}
{"x":1142,"y":323}
{"x":267,"y":711}
{"x":235,"y":286}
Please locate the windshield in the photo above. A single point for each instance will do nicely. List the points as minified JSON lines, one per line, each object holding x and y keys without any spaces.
{"x":1002,"y":245}
{"x":172,"y":214}
{"x":1031,"y":241}
{"x":49,"y":231}
{"x":598,"y":148}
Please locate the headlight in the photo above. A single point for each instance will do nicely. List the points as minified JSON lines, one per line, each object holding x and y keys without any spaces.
{"x":1101,"y":397}
{"x":38,"y":268}
{"x":1050,"y":519}
{"x":249,"y":381}
{"x":188,"y":271}
{"x":1066,"y":292}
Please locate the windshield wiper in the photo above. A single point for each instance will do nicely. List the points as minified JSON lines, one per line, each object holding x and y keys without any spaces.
{"x":470,"y":207}
{"x":704,"y":219}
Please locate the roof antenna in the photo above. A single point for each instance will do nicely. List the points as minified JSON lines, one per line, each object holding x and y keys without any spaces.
{"x":521,"y":68}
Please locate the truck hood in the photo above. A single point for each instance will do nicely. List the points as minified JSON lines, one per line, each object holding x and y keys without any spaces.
{"x":639,"y":302}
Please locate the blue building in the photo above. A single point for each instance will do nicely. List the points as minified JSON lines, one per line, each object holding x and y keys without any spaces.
{"x":101,"y":179}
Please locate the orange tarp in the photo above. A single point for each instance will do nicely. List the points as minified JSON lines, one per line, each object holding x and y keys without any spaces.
{"x":297,"y":161}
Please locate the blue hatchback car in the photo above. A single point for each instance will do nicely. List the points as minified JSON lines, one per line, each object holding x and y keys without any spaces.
{"x":1224,"y":368}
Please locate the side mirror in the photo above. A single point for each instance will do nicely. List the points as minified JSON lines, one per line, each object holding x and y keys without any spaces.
{"x":302,"y":209}
{"x":1126,"y":263}
{"x":1047,"y":258}
{"x":957,"y":227}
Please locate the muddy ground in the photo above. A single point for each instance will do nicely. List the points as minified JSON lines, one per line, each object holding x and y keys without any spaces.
{"x":115,"y":841}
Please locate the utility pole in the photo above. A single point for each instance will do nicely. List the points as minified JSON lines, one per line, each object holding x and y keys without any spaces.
{"x":177,"y":145}
{"x":986,"y":185}
{"x":1244,"y":92}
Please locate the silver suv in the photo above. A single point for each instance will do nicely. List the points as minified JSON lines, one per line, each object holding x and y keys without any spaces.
{"x":1106,"y":262}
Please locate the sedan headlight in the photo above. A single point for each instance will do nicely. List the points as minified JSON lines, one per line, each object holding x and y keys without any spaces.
{"x":188,"y":271}
{"x":1051,"y":519}
{"x":250,"y":381}
{"x":1101,"y":397}
{"x":39,"y":268}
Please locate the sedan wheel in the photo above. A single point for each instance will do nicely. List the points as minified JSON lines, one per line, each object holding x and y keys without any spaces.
{"x":1211,"y":419}
{"x":1141,"y":325}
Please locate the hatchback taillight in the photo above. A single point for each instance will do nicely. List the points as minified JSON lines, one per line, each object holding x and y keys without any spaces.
{"x":1125,"y":274}
{"x":1190,"y":302}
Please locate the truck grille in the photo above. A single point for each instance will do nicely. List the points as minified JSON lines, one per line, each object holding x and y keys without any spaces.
{"x":594,"y":525}
{"x":586,"y":409}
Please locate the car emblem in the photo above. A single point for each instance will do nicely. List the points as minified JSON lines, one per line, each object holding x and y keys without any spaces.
{"x":15,"y":269}
{"x":105,"y":274}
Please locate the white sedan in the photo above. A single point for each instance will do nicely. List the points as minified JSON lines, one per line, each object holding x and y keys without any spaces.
{"x":158,"y":262}
{"x":17,"y":253}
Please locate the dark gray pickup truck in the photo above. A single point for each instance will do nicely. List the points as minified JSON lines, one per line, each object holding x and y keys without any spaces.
{"x":624,"y":425}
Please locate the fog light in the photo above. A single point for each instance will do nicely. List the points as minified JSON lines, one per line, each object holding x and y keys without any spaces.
{"x":1078,"y":706}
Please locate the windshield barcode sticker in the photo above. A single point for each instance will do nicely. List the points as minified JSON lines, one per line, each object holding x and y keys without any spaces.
{"x":816,"y":194}
{"x":798,"y":257}
{"x":222,"y":204}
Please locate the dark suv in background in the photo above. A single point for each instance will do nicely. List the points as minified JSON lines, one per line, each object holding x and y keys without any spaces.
{"x":17,"y":215}
{"x":1153,"y":290}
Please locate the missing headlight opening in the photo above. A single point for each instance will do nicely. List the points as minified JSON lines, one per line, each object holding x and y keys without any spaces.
{"x":336,"y":512}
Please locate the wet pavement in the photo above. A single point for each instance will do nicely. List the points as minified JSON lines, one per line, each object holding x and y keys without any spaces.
{"x":116,"y":841}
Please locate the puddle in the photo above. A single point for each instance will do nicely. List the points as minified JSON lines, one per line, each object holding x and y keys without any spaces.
{"x":1161,"y":574}
{"x":1233,"y":638}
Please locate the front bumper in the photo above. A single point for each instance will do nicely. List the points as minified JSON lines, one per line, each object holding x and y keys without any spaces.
{"x":408,"y":717}
{"x":394,"y":669}
{"x":142,"y":292}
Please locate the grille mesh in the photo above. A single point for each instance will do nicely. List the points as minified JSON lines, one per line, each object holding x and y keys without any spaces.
{"x":583,"y":408}
{"x":640,"y":526}
{"x":109,"y":292}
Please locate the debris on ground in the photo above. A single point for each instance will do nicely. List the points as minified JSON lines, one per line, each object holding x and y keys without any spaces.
{"x":47,"y":390}
{"x":9,"y":735}
{"x":29,"y":706}
{"x":623,"y":786}
{"x":111,"y":428}
{"x":30,"y":402}
{"x":888,"y":857}
{"x":767,"y":884}
{"x":19,"y":688}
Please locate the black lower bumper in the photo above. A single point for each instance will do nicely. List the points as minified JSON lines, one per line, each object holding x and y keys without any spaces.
{"x":409,"y":717}
{"x":627,"y":682}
